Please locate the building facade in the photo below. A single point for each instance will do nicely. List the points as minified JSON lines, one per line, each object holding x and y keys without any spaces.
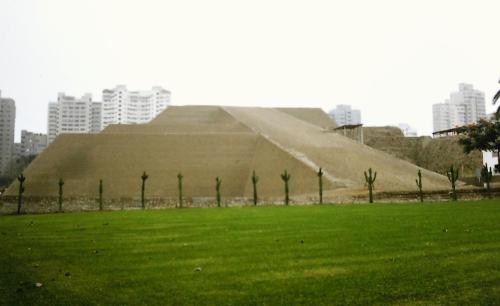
{"x":465,"y":106}
{"x":121,"y":106}
{"x":73,"y":115}
{"x":7,"y":125}
{"x":32,"y":143}
{"x":345,"y":115}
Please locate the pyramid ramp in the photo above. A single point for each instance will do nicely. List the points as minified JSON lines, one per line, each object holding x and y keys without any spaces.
{"x":343,"y":159}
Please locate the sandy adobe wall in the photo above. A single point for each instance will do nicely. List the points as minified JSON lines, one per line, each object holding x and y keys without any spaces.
{"x":203,"y":142}
{"x":270,"y":161}
{"x":314,"y":116}
{"x":343,"y":159}
{"x":82,"y":160}
{"x":435,"y":154}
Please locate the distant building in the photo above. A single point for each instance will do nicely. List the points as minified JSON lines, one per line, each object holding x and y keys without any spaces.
{"x":345,"y":115}
{"x":121,"y":106}
{"x":492,"y":160}
{"x":407,"y":130}
{"x":16,"y":151}
{"x":7,"y":125}
{"x":464,"y":106}
{"x":32,"y":143}
{"x":73,"y":115}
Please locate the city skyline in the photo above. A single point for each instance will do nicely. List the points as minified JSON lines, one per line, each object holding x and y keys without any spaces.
{"x":103,"y":124}
{"x":317,"y":55}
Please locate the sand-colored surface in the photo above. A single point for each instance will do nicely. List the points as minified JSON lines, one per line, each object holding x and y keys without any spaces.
{"x":203,"y":142}
{"x":343,"y":159}
{"x":315,"y":116}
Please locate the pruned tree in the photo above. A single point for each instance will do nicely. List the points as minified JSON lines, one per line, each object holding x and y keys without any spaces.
{"x":419,"y":185}
{"x":60,"y":200}
{"x":21,"y":178}
{"x":370,"y":178}
{"x":320,"y":181}
{"x":255,"y":180}
{"x":285,"y":176}
{"x":179,"y":186}
{"x":218,"y":182}
{"x":101,"y":190}
{"x":144,"y":177}
{"x":453,"y":175}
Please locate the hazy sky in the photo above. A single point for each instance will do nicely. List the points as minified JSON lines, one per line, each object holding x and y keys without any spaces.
{"x":391,"y":59}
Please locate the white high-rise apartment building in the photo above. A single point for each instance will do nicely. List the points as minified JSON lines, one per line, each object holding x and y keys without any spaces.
{"x":465,"y":106}
{"x":7,"y":125}
{"x":345,"y":115}
{"x":121,"y":106}
{"x":73,"y":115}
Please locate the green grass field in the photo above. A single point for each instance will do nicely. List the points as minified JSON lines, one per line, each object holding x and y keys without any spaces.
{"x":410,"y":254}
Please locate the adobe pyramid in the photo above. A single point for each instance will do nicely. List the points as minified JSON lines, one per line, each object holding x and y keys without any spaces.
{"x":203,"y":142}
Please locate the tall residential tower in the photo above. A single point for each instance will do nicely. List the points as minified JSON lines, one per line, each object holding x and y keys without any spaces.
{"x":464,"y":106}
{"x":121,"y":106}
{"x":7,"y":125}
{"x":73,"y":115}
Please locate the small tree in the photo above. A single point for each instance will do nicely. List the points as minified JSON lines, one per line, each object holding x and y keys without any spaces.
{"x":21,"y":178}
{"x":100,"y":195}
{"x":486,"y":176}
{"x":320,"y":181}
{"x":370,"y":182}
{"x":255,"y":180}
{"x":179,"y":185}
{"x":218,"y":182}
{"x":144,"y":177}
{"x":61,"y":184}
{"x":483,"y":136}
{"x":453,"y":178}
{"x":285,"y":176}
{"x":419,"y":185}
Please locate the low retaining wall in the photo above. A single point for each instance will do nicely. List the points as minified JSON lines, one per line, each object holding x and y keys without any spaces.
{"x":441,"y":195}
{"x":32,"y":204}
{"x":8,"y":204}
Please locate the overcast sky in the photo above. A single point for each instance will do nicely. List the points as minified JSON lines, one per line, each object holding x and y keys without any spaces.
{"x":391,"y":59}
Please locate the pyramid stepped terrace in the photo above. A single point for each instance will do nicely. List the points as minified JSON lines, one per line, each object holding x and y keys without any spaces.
{"x":204,"y":142}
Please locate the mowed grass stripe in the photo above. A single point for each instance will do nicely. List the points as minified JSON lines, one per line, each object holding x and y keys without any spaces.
{"x":436,"y":253}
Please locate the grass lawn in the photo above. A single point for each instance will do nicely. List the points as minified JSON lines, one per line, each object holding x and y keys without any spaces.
{"x":416,"y":254}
